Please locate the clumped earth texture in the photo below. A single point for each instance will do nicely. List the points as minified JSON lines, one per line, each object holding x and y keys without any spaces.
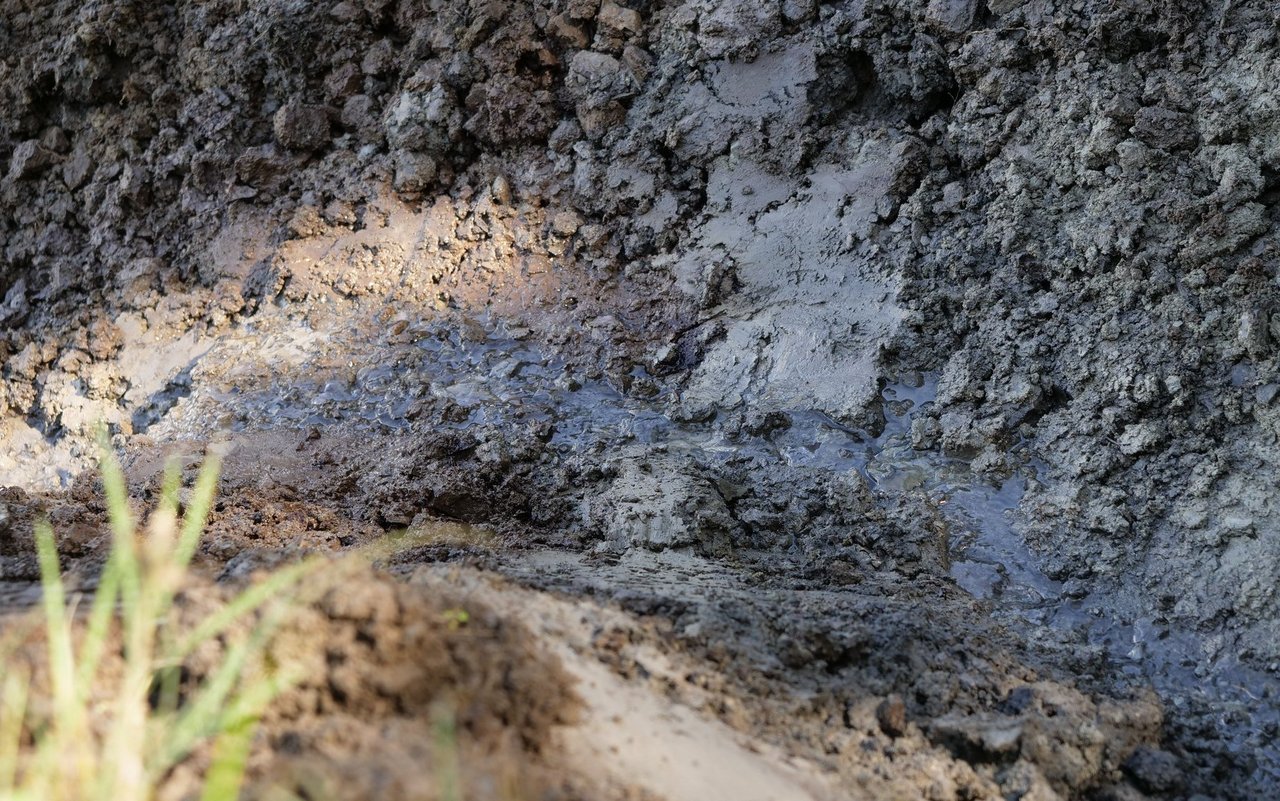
{"x":859,"y":399}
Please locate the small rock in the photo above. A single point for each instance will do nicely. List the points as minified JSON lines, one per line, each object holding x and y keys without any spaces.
{"x":302,"y":127}
{"x":984,"y":737}
{"x":426,"y":119}
{"x":241,"y":192}
{"x":343,"y":82}
{"x":613,"y":17}
{"x":582,"y":9}
{"x":105,"y":338}
{"x":15,"y":306}
{"x":892,"y":716}
{"x":564,"y":29}
{"x":76,"y":172}
{"x":569,"y":382}
{"x":951,"y":15}
{"x":261,"y":167}
{"x":502,"y":190}
{"x":925,"y":433}
{"x":55,"y":139}
{"x":762,"y":424}
{"x":1139,"y":438}
{"x":991,"y":461}
{"x":360,"y":114}
{"x":414,"y":172}
{"x":29,"y":160}
{"x":593,"y":238}
{"x":346,"y":12}
{"x":566,"y":223}
{"x":797,"y":11}
{"x":1164,"y":128}
{"x":638,"y":61}
{"x":1266,"y":393}
{"x":1153,"y":770}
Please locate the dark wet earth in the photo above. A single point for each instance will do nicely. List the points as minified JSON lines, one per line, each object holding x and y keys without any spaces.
{"x":382,"y":378}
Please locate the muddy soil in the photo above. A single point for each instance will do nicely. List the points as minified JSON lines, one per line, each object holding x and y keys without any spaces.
{"x":880,"y":397}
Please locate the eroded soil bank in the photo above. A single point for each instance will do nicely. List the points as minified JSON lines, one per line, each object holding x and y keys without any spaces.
{"x":886,"y":391}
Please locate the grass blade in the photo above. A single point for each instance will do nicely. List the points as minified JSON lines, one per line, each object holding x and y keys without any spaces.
{"x":99,"y":625}
{"x":124,"y":538}
{"x":448,"y":770}
{"x":13,"y":711}
{"x":197,"y":512}
{"x":53,"y":601}
{"x":276,"y":585}
{"x":69,"y":730}
{"x":208,"y":712}
{"x":240,"y":724}
{"x":230,"y":755}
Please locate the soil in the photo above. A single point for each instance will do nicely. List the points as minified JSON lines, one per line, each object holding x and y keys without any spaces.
{"x":804,"y":399}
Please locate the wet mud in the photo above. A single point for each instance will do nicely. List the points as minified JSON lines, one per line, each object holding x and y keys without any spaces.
{"x":885,"y":391}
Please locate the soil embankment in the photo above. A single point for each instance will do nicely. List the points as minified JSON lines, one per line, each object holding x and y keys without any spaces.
{"x":892,"y":386}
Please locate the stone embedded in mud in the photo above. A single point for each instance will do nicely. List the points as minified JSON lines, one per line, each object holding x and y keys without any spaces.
{"x":566,"y":223}
{"x":263,"y":167}
{"x":797,"y":11}
{"x":105,"y":338}
{"x":954,"y":16}
{"x":732,"y":29}
{"x":598,"y":82}
{"x":77,"y":169}
{"x":1154,"y":771}
{"x":639,"y":61}
{"x":360,"y":115}
{"x":660,"y":503}
{"x":425,"y":119}
{"x":302,"y":127}
{"x":29,"y":160}
{"x":343,"y":82}
{"x":346,"y":11}
{"x":1140,"y":438}
{"x":761,"y":424}
{"x":500,"y":189}
{"x":568,"y":32}
{"x":615,"y":25}
{"x":985,"y":738}
{"x":618,"y":20}
{"x":582,"y":9}
{"x":55,"y":139}
{"x":1054,"y":731}
{"x":1164,"y":128}
{"x":891,"y":714}
{"x":15,"y":306}
{"x":414,"y":172}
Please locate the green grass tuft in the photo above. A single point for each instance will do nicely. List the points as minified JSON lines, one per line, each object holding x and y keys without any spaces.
{"x":113,"y":735}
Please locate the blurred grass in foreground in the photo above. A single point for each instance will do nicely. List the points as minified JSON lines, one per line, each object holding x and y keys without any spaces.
{"x":117,"y":719}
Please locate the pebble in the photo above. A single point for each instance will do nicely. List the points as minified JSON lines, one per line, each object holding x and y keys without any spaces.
{"x":1154,"y":771}
{"x":892,"y":716}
